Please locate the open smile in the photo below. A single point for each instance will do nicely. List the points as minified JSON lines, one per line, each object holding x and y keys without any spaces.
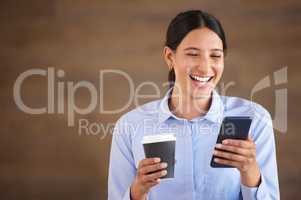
{"x":201,"y":80}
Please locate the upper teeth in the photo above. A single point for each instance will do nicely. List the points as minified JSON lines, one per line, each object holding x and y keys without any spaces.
{"x":201,"y":78}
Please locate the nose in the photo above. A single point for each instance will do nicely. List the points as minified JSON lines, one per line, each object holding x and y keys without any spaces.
{"x":204,"y":64}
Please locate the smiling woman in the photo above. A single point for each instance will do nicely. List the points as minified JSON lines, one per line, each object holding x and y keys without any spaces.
{"x":194,"y":52}
{"x":200,"y":56}
{"x":191,"y":23}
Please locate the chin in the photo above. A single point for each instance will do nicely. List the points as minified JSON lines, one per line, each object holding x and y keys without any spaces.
{"x":202,"y":94}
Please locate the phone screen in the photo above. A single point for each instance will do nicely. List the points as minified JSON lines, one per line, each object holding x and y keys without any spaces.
{"x":232,"y":128}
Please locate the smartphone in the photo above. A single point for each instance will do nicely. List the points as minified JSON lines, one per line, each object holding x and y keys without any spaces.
{"x":236,"y":127}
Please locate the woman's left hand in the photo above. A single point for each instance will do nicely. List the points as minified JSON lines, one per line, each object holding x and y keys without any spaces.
{"x":242,"y":155}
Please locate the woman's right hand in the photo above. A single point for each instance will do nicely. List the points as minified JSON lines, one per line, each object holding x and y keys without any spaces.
{"x":148,"y":175}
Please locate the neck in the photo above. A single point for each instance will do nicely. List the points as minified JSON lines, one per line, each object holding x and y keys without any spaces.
{"x":188,"y":107}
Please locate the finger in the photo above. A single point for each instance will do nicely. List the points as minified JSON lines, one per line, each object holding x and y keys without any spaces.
{"x":234,"y":149}
{"x":239,"y":143}
{"x":230,"y":156}
{"x":152,"y":183}
{"x":250,"y":137}
{"x":154,"y":176}
{"x":154,"y":180}
{"x":148,"y":161}
{"x":152,"y":168}
{"x":228,"y":162}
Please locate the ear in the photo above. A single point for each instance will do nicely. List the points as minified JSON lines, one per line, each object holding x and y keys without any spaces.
{"x":168,"y":55}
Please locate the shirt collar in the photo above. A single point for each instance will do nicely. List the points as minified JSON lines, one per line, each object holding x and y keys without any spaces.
{"x":214,"y":114}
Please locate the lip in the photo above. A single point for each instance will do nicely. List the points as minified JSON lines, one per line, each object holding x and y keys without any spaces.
{"x":202,"y":75}
{"x":202,"y":85}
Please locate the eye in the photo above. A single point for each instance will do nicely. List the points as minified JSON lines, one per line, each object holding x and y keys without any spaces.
{"x":216,"y":56}
{"x":192,"y":54}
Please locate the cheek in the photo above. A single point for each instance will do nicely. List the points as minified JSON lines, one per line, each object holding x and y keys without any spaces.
{"x":184,"y":65}
{"x":219,"y":68}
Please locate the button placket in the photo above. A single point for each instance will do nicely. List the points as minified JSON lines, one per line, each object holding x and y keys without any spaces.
{"x":189,"y":159}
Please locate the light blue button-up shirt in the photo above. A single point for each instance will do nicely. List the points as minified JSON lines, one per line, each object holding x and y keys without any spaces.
{"x":194,"y":178}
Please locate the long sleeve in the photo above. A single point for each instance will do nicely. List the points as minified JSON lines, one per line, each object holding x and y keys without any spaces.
{"x":263,"y":136}
{"x":121,"y":168}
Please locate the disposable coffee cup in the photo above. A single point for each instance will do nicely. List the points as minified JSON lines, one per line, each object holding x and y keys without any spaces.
{"x":162,"y":146}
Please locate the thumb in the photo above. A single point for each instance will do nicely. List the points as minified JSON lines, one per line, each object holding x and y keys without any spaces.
{"x":249,"y":137}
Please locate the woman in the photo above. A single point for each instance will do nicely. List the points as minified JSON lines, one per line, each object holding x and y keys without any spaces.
{"x":193,"y":110}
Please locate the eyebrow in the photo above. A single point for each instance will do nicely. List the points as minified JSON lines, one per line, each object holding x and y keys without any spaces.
{"x":195,"y":48}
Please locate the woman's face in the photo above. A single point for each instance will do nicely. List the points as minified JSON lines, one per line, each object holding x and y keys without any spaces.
{"x":198,"y":63}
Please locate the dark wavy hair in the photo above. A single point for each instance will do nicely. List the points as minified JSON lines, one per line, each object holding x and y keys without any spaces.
{"x":185,"y":22}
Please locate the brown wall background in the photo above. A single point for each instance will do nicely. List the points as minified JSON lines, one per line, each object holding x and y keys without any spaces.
{"x":42,"y":158}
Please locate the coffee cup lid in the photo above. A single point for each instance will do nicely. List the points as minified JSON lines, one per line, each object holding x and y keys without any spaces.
{"x":158,"y":138}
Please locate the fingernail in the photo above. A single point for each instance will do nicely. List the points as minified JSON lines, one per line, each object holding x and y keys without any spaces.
{"x":225,"y":141}
{"x":219,"y":145}
{"x":164,"y":172}
{"x":215,"y":152}
{"x":216,"y":159}
{"x":164,"y":165}
{"x":157,"y":160}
